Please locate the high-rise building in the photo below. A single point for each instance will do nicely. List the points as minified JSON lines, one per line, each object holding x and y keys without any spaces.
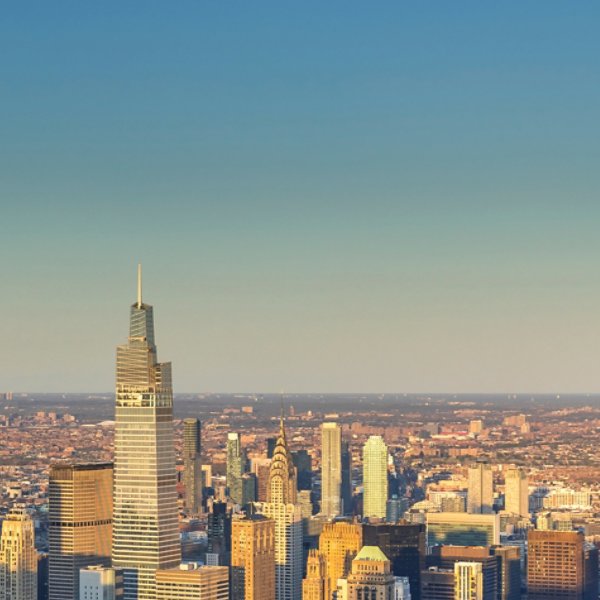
{"x":468,"y":581}
{"x":480,"y":499}
{"x":281,"y":507}
{"x":235,"y":468}
{"x":402,"y":589}
{"x":193,"y":582}
{"x":313,"y":585}
{"x":79,"y":523}
{"x":516,"y":492}
{"x":303,"y":463}
{"x":192,"y":465}
{"x":252,"y":558}
{"x":560,"y":564}
{"x":462,"y":529}
{"x":375,"y":477}
{"x":371,"y":576}
{"x":145,"y":521}
{"x":18,"y":557}
{"x":97,"y":582}
{"x":219,"y":535}
{"x":331,"y":470}
{"x":487,"y":574}
{"x":509,"y":580}
{"x":339,"y":543}
{"x":405,"y":545}
{"x":437,"y":584}
{"x":346,"y":479}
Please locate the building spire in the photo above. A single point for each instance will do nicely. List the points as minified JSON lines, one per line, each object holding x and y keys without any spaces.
{"x":139,"y":286}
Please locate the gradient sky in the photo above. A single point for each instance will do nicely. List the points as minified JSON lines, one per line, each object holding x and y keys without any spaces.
{"x":326,"y":196}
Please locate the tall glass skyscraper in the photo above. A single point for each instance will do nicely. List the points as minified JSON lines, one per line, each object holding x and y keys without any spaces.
{"x":235,"y":467}
{"x":192,"y":467}
{"x":331,"y":469}
{"x":375,"y":477}
{"x":145,"y":519}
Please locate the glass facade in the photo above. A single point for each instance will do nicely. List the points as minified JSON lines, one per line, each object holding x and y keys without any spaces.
{"x":145,"y":523}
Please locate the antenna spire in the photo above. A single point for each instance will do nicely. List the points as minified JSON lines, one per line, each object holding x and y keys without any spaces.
{"x":139,"y":286}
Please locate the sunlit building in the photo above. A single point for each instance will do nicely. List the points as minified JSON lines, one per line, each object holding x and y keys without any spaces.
{"x":331,"y":469}
{"x":192,"y":465}
{"x":18,"y":557}
{"x":193,"y":582}
{"x":516,"y":492}
{"x":282,"y":507}
{"x":375,"y":477}
{"x":480,"y":498}
{"x":145,"y":521}
{"x":371,"y":576}
{"x":79,"y":523}
{"x":252,"y":558}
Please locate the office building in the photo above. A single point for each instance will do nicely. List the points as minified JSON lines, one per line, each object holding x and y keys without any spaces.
{"x":516,"y":492}
{"x":303,"y":463}
{"x":252,"y":558}
{"x":79,"y":523}
{"x":219,"y":535}
{"x":375,"y":477}
{"x":100,"y":583}
{"x":192,"y":465}
{"x":282,"y":507}
{"x":347,"y":488}
{"x":145,"y":519}
{"x":236,"y":464}
{"x":509,"y":565}
{"x":313,"y":585}
{"x":193,"y":582}
{"x":405,"y":546}
{"x":371,"y":576}
{"x":401,"y":589}
{"x":18,"y":557}
{"x":480,"y":498}
{"x":462,"y":529}
{"x":468,"y":581}
{"x":447,"y":557}
{"x":560,"y":564}
{"x":437,"y":584}
{"x":331,"y":470}
{"x":339,"y":543}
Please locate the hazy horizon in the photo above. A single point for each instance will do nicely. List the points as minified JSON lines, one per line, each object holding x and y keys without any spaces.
{"x":323,"y":196}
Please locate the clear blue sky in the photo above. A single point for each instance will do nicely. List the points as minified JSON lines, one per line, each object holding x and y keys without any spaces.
{"x":325,"y":196}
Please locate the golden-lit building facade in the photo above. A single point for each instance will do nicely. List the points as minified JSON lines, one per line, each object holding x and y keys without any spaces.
{"x":18,"y":557}
{"x":79,"y":523}
{"x":313,"y":585}
{"x":253,"y":558}
{"x":145,"y":521}
{"x":371,"y":577}
{"x":193,"y":583}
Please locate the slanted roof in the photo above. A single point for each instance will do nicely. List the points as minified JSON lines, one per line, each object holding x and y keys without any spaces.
{"x":371,"y":553}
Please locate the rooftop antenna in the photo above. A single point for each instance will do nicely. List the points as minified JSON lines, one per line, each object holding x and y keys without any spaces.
{"x":139,"y":282}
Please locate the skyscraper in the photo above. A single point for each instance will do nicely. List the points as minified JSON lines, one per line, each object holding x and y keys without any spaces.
{"x":313,"y":585}
{"x":252,"y":558}
{"x":193,"y":582}
{"x":79,"y":523}
{"x":405,"y":545}
{"x":235,"y":467}
{"x":18,"y":557}
{"x":145,"y":522}
{"x":516,"y":492}
{"x":281,"y":507}
{"x":339,"y":543}
{"x":468,"y":581}
{"x":371,"y":576}
{"x":346,"y":479}
{"x":375,"y":477}
{"x":560,"y":564}
{"x":480,"y":498}
{"x":331,"y":469}
{"x":192,"y":466}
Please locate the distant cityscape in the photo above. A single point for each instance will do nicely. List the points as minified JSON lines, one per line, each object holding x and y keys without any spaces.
{"x":143,"y":496}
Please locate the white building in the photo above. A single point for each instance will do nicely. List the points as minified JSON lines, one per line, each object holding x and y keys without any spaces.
{"x":331,"y":469}
{"x":480,"y":499}
{"x":100,"y":583}
{"x":375,"y":477}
